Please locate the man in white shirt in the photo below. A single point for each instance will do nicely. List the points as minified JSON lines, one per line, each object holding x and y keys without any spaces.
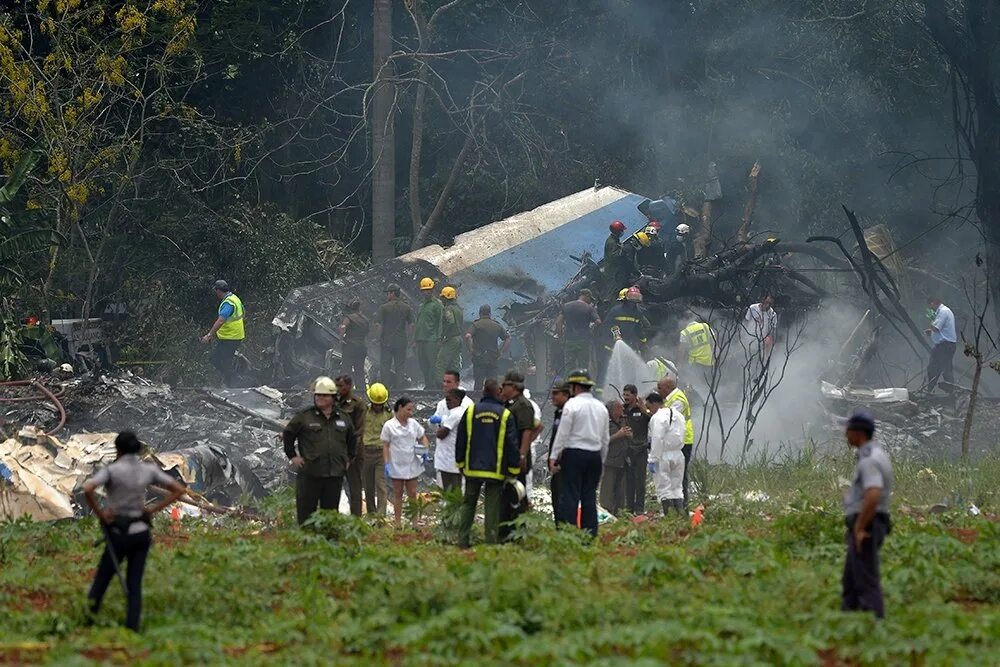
{"x":578,"y":452}
{"x":944,"y":340}
{"x":758,"y":327}
{"x":666,"y":458}
{"x":449,"y":410}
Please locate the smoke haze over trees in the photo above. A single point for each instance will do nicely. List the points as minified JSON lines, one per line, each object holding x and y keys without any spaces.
{"x":180,"y":141}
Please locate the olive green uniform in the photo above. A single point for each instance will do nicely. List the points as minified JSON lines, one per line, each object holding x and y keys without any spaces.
{"x":452,"y":328}
{"x":373,"y":469}
{"x":327,"y":446}
{"x":394,"y":316}
{"x":354,"y":408}
{"x":485,"y":333}
{"x":427,"y":336}
{"x":524,"y":418}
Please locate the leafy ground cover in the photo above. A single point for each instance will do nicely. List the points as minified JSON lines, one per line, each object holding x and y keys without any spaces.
{"x":756,"y":583}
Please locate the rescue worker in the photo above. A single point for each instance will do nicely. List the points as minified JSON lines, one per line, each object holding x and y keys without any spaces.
{"x":558,"y":396}
{"x":352,"y":406}
{"x":758,"y":328}
{"x":604,"y":344}
{"x":446,"y":418}
{"x":354,"y":329}
{"x":666,"y":460}
{"x":372,"y":469}
{"x":650,"y":259}
{"x":427,"y":333}
{"x":574,"y":324}
{"x":627,"y":322}
{"x":487,"y":453}
{"x":452,"y":328}
{"x":637,"y":417}
{"x":400,"y":436}
{"x":613,"y":244}
{"x":228,"y":331}
{"x":527,"y":425}
{"x":697,"y":343}
{"x":483,"y":337}
{"x":320,"y":442}
{"x":678,"y":251}
{"x":613,"y":476}
{"x":944,"y":340}
{"x":393,"y":329}
{"x":126,"y":521}
{"x":866,"y":512}
{"x":628,"y":264}
{"x":579,"y":451}
{"x":675,"y":398}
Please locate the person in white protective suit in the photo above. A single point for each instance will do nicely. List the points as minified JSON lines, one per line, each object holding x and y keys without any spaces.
{"x":666,"y":460}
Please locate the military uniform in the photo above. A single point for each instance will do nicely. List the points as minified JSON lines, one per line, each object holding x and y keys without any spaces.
{"x":327,"y":445}
{"x":452,"y":328}
{"x":354,"y":408}
{"x":524,"y":420}
{"x":427,"y":335}
{"x":394,"y":316}
{"x":485,"y":333}
{"x":373,"y":469}
{"x":637,"y":459}
{"x":613,"y":479}
{"x":577,"y":317}
{"x":862,"y":586}
{"x":355,"y":349}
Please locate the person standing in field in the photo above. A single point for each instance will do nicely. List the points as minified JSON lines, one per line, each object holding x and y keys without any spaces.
{"x":228,"y":331}
{"x":613,"y":479}
{"x":488,"y":341}
{"x":354,"y":408}
{"x":394,"y":330}
{"x":944,"y":340}
{"x":354,"y":329}
{"x":373,"y":471}
{"x":403,"y":466}
{"x":427,"y":333}
{"x":560,"y":394}
{"x":637,"y":417}
{"x":666,"y":459}
{"x":446,"y":418}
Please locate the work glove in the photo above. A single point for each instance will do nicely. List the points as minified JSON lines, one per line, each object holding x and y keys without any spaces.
{"x":652,"y":467}
{"x":435,"y":419}
{"x":386,"y":468}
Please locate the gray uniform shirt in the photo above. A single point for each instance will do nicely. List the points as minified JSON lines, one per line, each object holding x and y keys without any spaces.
{"x":125,"y":482}
{"x":873,"y":471}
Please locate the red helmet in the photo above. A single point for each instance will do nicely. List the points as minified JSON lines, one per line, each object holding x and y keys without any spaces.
{"x":654,"y":224}
{"x":618,"y":227}
{"x":633,"y":294}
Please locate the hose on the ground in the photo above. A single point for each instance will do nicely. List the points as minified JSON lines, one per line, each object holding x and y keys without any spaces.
{"x":46,"y":395}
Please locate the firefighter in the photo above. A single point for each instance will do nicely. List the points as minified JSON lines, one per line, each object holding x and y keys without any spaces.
{"x":678,"y":250}
{"x":372,"y":469}
{"x":452,"y":328}
{"x":613,"y":244}
{"x":675,"y":398}
{"x":354,"y":329}
{"x":320,"y":442}
{"x":487,"y":453}
{"x":650,"y":259}
{"x":427,"y":334}
{"x":627,"y":322}
{"x":628,"y":264}
{"x":228,"y":332}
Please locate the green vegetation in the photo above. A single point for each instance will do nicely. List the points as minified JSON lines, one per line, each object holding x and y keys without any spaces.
{"x":756,"y":583}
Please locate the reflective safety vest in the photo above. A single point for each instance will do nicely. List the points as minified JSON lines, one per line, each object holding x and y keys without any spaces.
{"x":233,"y":328}
{"x":678,"y":395}
{"x":477,"y":462}
{"x":698,"y":337}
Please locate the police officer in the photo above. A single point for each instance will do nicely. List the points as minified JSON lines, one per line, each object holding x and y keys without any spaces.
{"x":452,"y":329}
{"x":866,"y":512}
{"x":354,"y":328}
{"x":487,"y":453}
{"x":352,"y":406}
{"x":560,"y":394}
{"x":126,"y":520}
{"x":228,"y":330}
{"x":320,"y":442}
{"x":427,"y":334}
{"x":528,"y":428}
{"x":482,"y":338}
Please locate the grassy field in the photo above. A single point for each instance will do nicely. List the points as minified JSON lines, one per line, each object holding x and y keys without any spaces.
{"x":756,"y":583}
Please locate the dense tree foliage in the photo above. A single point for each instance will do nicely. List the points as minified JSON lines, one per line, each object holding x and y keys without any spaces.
{"x":182,"y":141}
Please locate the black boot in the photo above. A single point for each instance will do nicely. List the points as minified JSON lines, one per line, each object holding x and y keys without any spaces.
{"x":666,"y":504}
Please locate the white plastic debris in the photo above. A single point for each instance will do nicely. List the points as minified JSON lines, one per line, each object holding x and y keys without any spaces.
{"x":756,"y":496}
{"x":269,"y":392}
{"x":974,"y":511}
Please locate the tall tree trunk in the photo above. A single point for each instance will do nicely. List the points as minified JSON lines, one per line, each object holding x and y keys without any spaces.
{"x":971,"y":411}
{"x":383,"y":137}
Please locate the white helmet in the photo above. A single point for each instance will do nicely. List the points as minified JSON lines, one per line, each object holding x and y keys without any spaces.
{"x":324,"y":385}
{"x":683,"y":229}
{"x":519,"y":491}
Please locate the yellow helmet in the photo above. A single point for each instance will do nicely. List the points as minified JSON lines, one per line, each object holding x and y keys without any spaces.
{"x":324,"y":385}
{"x":377,"y":393}
{"x":448,"y":293}
{"x":426,"y":284}
{"x":622,"y":293}
{"x":643,"y":238}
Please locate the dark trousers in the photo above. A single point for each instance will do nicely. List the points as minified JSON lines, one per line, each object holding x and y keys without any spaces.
{"x":940,"y":364}
{"x":354,"y":483}
{"x":392,"y":362}
{"x":554,"y":484}
{"x":450,"y":480}
{"x":353,"y":364}
{"x":223,"y":353}
{"x":483,"y":368}
{"x":862,"y":585}
{"x":373,"y":479}
{"x":580,"y":473}
{"x":492,"y":490}
{"x":132,"y":549}
{"x":635,"y":480}
{"x":613,"y":485}
{"x":427,"y":354}
{"x":312,"y":491}
{"x":686,"y":451}
{"x":576,"y":355}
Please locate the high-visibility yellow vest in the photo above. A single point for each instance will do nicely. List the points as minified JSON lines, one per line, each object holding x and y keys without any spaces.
{"x":233,"y":328}
{"x":698,"y":337}
{"x":678,"y":395}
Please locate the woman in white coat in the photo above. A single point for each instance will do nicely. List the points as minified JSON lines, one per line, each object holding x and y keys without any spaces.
{"x":400,"y":436}
{"x":666,"y":460}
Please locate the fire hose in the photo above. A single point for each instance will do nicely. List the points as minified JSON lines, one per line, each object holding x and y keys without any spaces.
{"x":46,"y":395}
